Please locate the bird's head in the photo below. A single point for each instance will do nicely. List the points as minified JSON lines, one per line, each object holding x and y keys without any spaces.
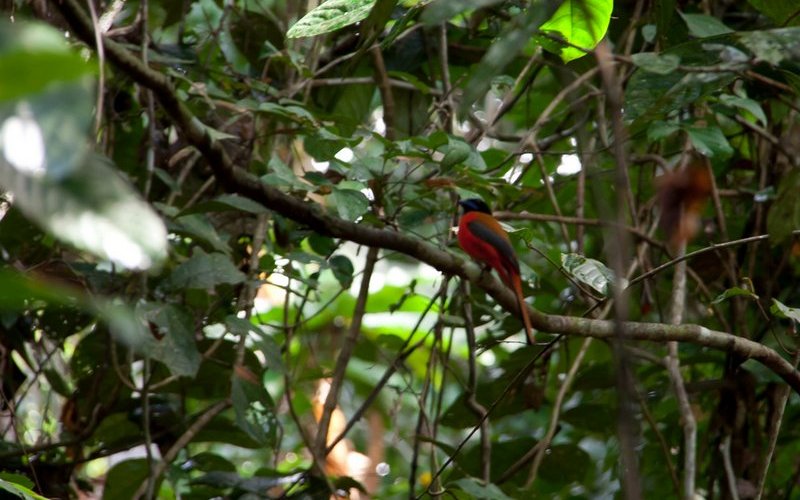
{"x":475,"y":205}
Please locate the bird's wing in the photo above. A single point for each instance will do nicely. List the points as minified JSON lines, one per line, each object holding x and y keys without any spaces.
{"x":483,"y":229}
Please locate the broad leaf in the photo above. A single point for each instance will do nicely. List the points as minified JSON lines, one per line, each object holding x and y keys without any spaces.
{"x":781,"y":310}
{"x":350,"y":204}
{"x":581,"y":23}
{"x":702,"y":26}
{"x":588,"y":271}
{"x":331,"y":16}
{"x":734,"y":292}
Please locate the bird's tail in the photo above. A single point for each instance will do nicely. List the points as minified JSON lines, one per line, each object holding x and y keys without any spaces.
{"x":523,"y":310}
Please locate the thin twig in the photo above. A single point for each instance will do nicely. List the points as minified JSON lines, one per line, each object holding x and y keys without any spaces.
{"x":673,"y":370}
{"x":730,"y":475}
{"x":385,"y":88}
{"x":337,"y":380}
{"x":472,"y":386}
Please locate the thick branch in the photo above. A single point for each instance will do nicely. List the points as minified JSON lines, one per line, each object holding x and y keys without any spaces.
{"x":234,"y":179}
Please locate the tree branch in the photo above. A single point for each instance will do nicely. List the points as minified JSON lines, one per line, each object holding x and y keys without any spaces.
{"x":235,"y":179}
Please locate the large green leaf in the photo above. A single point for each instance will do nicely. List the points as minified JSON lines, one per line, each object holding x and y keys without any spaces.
{"x":331,"y":16}
{"x":37,"y":57}
{"x":124,"y":478}
{"x":581,"y":23}
{"x":17,"y":490}
{"x":589,"y":271}
{"x":76,"y":196}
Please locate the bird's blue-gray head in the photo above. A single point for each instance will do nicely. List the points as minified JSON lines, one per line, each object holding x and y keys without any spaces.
{"x":475,"y":205}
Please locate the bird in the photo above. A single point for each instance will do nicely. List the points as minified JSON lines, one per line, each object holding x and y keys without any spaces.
{"x":485,"y":240}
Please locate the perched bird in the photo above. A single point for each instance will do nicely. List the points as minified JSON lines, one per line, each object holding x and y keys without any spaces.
{"x":485,"y":240}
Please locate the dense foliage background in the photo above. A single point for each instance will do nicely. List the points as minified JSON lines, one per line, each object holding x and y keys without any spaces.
{"x":226,"y":225}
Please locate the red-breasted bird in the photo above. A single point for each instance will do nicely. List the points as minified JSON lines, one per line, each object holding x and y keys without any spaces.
{"x":485,"y":240}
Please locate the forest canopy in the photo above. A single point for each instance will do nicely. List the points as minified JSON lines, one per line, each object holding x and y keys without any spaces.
{"x":229,"y":265}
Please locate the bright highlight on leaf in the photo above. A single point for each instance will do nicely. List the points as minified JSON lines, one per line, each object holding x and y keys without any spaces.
{"x":22,"y":144}
{"x":331,"y":16}
{"x":77,"y":197}
{"x":581,"y":23}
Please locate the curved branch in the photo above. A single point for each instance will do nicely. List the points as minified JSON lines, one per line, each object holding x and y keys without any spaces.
{"x":237,"y":180}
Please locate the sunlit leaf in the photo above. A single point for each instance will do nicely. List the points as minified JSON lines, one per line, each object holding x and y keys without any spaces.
{"x":781,"y":310}
{"x":331,"y":16}
{"x":588,"y":271}
{"x":581,"y":23}
{"x":77,"y":197}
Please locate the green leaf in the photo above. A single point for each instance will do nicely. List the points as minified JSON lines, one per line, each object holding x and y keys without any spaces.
{"x":588,"y":271}
{"x":13,"y":487}
{"x":78,"y":198}
{"x":124,"y":478}
{"x":582,"y":23}
{"x":17,"y":479}
{"x":660,"y":64}
{"x":266,"y":344}
{"x":197,"y":226}
{"x":331,"y":16}
{"x":322,"y":245}
{"x":254,"y":409}
{"x":703,"y":26}
{"x":205,"y":271}
{"x":38,"y":56}
{"x":476,"y":489}
{"x":455,"y":152}
{"x":749,"y":105}
{"x":92,"y":208}
{"x":710,"y":141}
{"x":661,"y":130}
{"x":780,"y":11}
{"x":734,"y":292}
{"x":781,"y":310}
{"x":342,"y":269}
{"x":350,"y":204}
